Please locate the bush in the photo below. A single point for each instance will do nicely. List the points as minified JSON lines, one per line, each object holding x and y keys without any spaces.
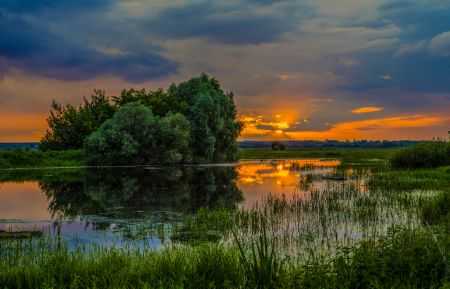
{"x":135,"y":136}
{"x":278,"y":146}
{"x":424,"y":155}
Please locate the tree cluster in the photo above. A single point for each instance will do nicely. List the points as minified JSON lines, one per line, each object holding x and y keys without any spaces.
{"x":194,"y":121}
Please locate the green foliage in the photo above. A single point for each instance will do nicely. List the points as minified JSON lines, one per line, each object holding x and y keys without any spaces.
{"x":134,"y":135}
{"x":35,"y":158}
{"x":69,"y":126}
{"x":263,"y":265}
{"x":213,"y":117}
{"x":159,"y":100}
{"x":424,"y":155}
{"x":211,"y":123}
{"x":395,"y":181}
{"x":403,"y":259}
{"x":437,"y":210}
{"x":360,"y":156}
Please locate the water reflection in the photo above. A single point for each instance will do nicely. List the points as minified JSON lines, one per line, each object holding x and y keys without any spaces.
{"x":112,"y":206}
{"x":281,"y":178}
{"x":23,"y":201}
{"x":130,"y":193}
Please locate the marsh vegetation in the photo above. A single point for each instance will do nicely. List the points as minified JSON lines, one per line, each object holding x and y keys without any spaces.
{"x":320,"y":224}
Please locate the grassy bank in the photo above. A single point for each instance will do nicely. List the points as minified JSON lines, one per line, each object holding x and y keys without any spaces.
{"x":345,"y":154}
{"x":37,"y":158}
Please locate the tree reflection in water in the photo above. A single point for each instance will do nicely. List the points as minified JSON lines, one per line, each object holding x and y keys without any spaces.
{"x":127,"y":197}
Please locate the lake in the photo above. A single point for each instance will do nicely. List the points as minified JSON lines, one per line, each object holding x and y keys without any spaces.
{"x":143,"y":206}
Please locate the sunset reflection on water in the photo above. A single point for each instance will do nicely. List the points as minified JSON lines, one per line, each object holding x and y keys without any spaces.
{"x":278,"y":178}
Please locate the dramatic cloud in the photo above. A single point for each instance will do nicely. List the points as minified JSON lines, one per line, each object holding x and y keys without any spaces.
{"x":299,"y":69}
{"x":242,"y":23}
{"x":28,"y":43}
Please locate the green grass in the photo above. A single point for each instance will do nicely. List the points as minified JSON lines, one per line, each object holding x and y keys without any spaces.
{"x":403,"y":259}
{"x":347,"y":155}
{"x":38,"y":159}
{"x":69,"y":158}
{"x":226,"y":248}
{"x":423,"y":155}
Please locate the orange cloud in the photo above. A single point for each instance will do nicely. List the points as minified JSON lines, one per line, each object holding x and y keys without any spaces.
{"x":367,"y":109}
{"x":408,"y":127}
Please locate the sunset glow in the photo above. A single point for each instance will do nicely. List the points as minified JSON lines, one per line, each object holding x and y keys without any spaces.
{"x":298,"y":70}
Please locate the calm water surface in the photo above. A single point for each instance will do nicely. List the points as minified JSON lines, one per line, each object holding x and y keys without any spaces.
{"x":116,"y":206}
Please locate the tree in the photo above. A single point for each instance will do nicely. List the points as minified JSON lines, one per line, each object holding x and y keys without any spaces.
{"x":278,"y":146}
{"x":213,"y":117}
{"x":158,"y":100}
{"x":134,"y":135}
{"x":198,"y":106}
{"x":69,"y":126}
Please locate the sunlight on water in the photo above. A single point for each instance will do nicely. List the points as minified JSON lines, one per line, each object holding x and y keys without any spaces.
{"x":261,"y":179}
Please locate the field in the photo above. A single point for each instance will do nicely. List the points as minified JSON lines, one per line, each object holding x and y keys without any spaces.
{"x":364,"y":225}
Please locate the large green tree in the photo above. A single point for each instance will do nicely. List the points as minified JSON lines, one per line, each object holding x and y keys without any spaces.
{"x":213,"y":117}
{"x":69,"y":126}
{"x":209,"y":111}
{"x":134,"y":135}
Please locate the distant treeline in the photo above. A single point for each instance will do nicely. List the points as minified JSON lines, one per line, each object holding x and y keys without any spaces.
{"x":19,"y":145}
{"x":331,"y":144}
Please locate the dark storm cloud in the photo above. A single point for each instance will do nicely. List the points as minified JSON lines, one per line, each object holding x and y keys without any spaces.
{"x":418,"y":20}
{"x":231,"y":25}
{"x":27,"y":43}
{"x":36,"y":6}
{"x":415,"y":65}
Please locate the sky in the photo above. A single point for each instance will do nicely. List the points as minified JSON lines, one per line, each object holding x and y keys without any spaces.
{"x":299,"y":69}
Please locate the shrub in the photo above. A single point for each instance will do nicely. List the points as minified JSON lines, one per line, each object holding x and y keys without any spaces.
{"x":424,"y":155}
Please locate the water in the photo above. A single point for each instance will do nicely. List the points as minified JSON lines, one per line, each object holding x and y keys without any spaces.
{"x":142,"y":206}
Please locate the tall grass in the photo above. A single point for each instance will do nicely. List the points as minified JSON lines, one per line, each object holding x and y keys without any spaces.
{"x":402,"y":259}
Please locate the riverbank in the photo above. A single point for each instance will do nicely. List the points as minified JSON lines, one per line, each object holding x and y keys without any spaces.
{"x":38,"y":159}
{"x":75,"y":158}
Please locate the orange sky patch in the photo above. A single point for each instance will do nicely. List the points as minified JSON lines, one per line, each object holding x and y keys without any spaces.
{"x":397,"y":127}
{"x":367,"y":109}
{"x":22,"y":127}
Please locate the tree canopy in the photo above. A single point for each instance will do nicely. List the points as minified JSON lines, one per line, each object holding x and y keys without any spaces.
{"x":194,"y":121}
